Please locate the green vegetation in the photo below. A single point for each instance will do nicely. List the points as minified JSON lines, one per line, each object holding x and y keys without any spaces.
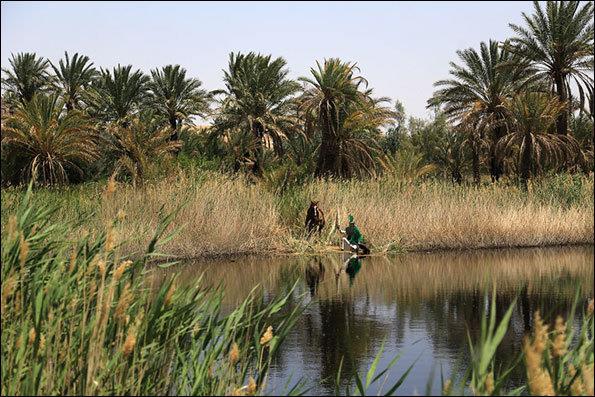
{"x":79,"y":318}
{"x":78,"y":315}
{"x":508,"y":110}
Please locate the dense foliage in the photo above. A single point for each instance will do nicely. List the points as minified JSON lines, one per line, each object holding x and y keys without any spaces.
{"x":517,"y":109}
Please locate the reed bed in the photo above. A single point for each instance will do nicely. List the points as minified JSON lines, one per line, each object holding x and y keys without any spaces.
{"x":222,"y":215}
{"x":79,"y":319}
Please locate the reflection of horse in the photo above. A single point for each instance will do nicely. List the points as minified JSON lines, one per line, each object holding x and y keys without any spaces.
{"x":314,"y":218}
{"x":314,"y":275}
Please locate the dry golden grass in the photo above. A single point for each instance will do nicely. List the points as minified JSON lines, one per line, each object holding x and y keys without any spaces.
{"x":439,"y":216}
{"x":223,"y":215}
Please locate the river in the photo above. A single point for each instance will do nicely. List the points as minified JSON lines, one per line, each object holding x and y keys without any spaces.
{"x":419,"y":305}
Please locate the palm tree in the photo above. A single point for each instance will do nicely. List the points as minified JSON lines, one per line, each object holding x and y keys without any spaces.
{"x":140,"y":144}
{"x":450,"y":154}
{"x":359,"y":135}
{"x":27,"y":76}
{"x":347,"y":118}
{"x":531,"y":139}
{"x":258,"y":99}
{"x":47,"y":144}
{"x":72,"y":77}
{"x":477,"y":91}
{"x":176,"y":97}
{"x":559,"y":43}
{"x":117,"y":96}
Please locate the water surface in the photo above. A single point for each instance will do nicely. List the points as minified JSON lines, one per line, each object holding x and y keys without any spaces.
{"x":419,"y":305}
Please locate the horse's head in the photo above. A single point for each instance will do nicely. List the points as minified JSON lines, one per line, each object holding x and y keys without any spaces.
{"x":314,"y":207}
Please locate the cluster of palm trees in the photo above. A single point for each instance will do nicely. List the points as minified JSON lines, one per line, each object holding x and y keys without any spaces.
{"x":514,"y":99}
{"x":508,"y":106}
{"x":56,"y":125}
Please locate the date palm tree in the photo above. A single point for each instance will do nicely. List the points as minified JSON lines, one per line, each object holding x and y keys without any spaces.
{"x":176,"y":97}
{"x":477,"y":91}
{"x":532,"y":138}
{"x":118,"y":95}
{"x":337,"y":105}
{"x":558,"y":41}
{"x":258,"y":98}
{"x":140,"y":144}
{"x":28,"y":75}
{"x":72,"y":77}
{"x":47,"y":145}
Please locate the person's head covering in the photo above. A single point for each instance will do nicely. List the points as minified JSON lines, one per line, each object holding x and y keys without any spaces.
{"x":350,"y":218}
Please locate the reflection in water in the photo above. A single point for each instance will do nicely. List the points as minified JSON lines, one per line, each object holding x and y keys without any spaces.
{"x":419,"y":305}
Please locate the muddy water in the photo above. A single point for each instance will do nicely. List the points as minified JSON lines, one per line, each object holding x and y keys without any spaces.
{"x":419,"y":305}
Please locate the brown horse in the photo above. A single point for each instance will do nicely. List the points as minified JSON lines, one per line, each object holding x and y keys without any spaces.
{"x":314,"y":218}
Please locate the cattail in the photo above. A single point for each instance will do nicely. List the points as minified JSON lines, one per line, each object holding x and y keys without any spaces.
{"x":169,"y":295}
{"x":590,"y":308}
{"x":72,"y":261}
{"x":129,"y":343}
{"x":110,"y":239}
{"x":588,"y":378}
{"x":234,"y":353}
{"x":267,"y":336}
{"x":577,"y":388}
{"x":7,"y":289}
{"x":490,"y":383}
{"x":251,"y":389}
{"x":11,"y":226}
{"x":32,"y":335}
{"x":23,"y":249}
{"x":540,"y":383}
{"x":123,"y":304}
{"x":111,"y":186}
{"x":121,"y":269}
{"x":540,"y":334}
{"x":101,"y":266}
{"x":559,"y":345}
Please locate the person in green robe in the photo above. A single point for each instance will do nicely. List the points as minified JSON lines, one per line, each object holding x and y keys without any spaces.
{"x":353,"y":239}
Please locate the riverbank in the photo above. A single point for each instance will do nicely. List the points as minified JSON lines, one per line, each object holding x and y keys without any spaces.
{"x":222,"y":216}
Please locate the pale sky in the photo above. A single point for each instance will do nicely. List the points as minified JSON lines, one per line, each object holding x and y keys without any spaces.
{"x":401,"y":48}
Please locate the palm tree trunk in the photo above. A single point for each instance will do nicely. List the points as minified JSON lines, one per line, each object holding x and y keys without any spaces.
{"x":456,"y":176}
{"x":174,"y":128}
{"x":496,"y":170}
{"x":257,"y":133}
{"x":174,"y":124}
{"x":562,"y":120}
{"x":526,"y":160}
{"x":475,"y":165}
{"x":329,"y":156}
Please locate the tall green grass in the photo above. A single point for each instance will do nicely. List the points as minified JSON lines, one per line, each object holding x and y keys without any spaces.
{"x":78,"y":319}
